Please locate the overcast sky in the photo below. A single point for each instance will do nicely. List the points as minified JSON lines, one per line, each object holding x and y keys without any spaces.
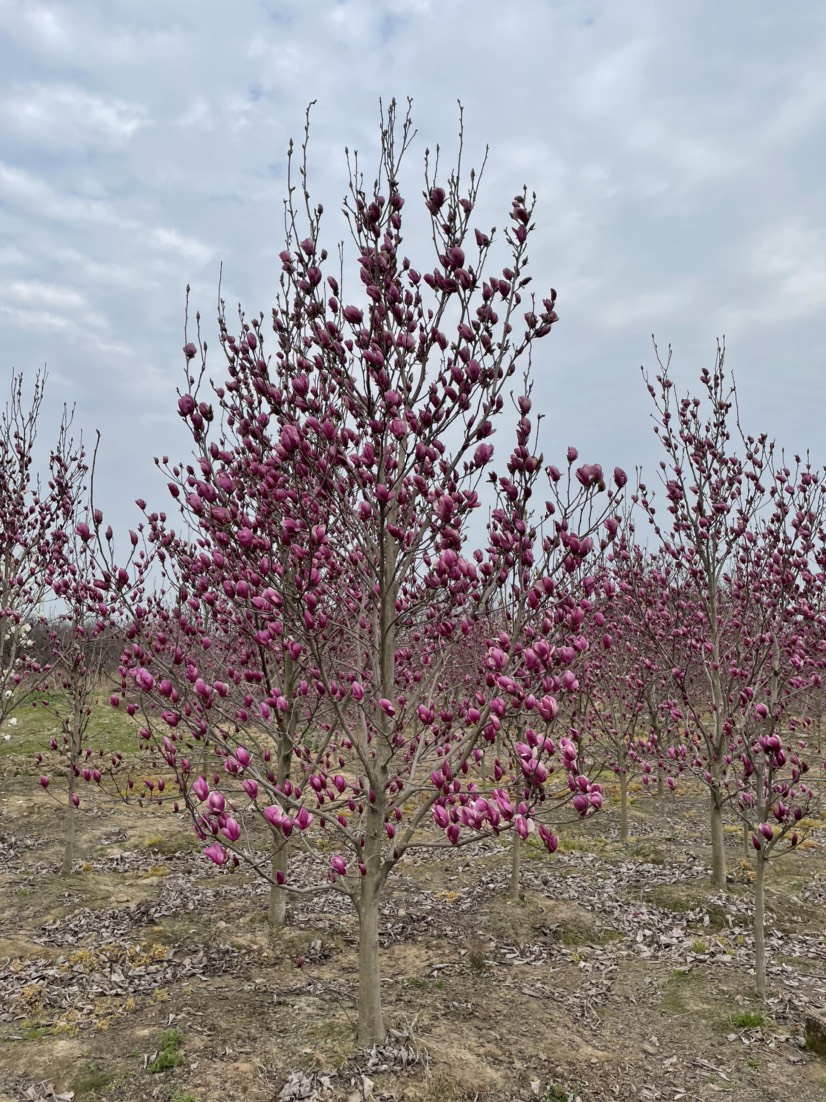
{"x":678,"y":151}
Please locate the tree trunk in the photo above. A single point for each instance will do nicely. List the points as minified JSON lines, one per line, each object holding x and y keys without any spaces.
{"x":516,"y":866}
{"x":660,"y":784}
{"x":371,"y":1020}
{"x":760,"y":926}
{"x":623,"y":781}
{"x":747,"y":850}
{"x":718,"y":843}
{"x":277,"y":904}
{"x":69,"y":830}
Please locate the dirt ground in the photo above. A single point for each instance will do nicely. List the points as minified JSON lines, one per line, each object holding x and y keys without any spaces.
{"x":622,"y":974}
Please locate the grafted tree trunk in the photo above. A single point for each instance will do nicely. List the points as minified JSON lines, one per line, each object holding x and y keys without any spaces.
{"x":277,"y":903}
{"x":760,"y":925}
{"x":516,"y":867}
{"x":371,"y":1029}
{"x":69,"y":816}
{"x":718,"y":842}
{"x":623,"y":782}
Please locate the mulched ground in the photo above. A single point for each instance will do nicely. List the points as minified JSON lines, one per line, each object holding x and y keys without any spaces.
{"x":621,"y":974}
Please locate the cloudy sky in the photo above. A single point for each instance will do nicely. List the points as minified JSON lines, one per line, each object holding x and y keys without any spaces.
{"x":678,"y":152}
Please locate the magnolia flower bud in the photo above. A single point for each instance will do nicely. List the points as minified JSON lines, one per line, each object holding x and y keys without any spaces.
{"x":303,"y":818}
{"x":216,"y":853}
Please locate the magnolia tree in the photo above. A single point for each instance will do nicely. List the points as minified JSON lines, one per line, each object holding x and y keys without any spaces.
{"x":82,"y":637}
{"x":619,"y":713}
{"x":336,"y":496}
{"x":28,"y":513}
{"x":571,"y":621}
{"x":211,"y":609}
{"x":728,"y":515}
{"x":639,"y":653}
{"x":742,"y":602}
{"x":769,"y":781}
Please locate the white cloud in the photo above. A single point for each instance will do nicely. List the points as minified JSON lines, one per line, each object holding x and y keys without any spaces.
{"x":33,"y":195}
{"x":63,"y":115}
{"x":677,"y":152}
{"x":171,"y":241}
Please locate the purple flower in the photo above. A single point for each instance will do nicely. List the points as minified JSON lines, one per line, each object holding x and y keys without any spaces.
{"x":200,"y":788}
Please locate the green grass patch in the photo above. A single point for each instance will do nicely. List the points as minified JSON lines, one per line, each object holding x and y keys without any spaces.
{"x":34,"y":1031}
{"x":748,"y":1019}
{"x":684,"y":898}
{"x":109,"y":728}
{"x":168,"y":1055}
{"x":572,"y":933}
{"x":92,"y":1081}
{"x":559,"y":1092}
{"x":675,"y":995}
{"x":649,"y":852}
{"x":170,"y":844}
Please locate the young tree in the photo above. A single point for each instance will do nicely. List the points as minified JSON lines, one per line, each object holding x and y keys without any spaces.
{"x":78,"y":640}
{"x":742,"y":601}
{"x":780,"y":621}
{"x":27,"y":514}
{"x":83,"y":633}
{"x":617,"y":694}
{"x":369,"y":433}
{"x":213,"y":608}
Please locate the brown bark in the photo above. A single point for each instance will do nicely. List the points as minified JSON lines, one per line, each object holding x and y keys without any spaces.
{"x":69,"y":830}
{"x":718,"y":843}
{"x":277,"y":903}
{"x":760,"y":926}
{"x":516,"y":867}
{"x":623,"y":781}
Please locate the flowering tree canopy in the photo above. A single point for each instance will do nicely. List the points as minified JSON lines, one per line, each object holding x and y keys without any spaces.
{"x":327,"y":609}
